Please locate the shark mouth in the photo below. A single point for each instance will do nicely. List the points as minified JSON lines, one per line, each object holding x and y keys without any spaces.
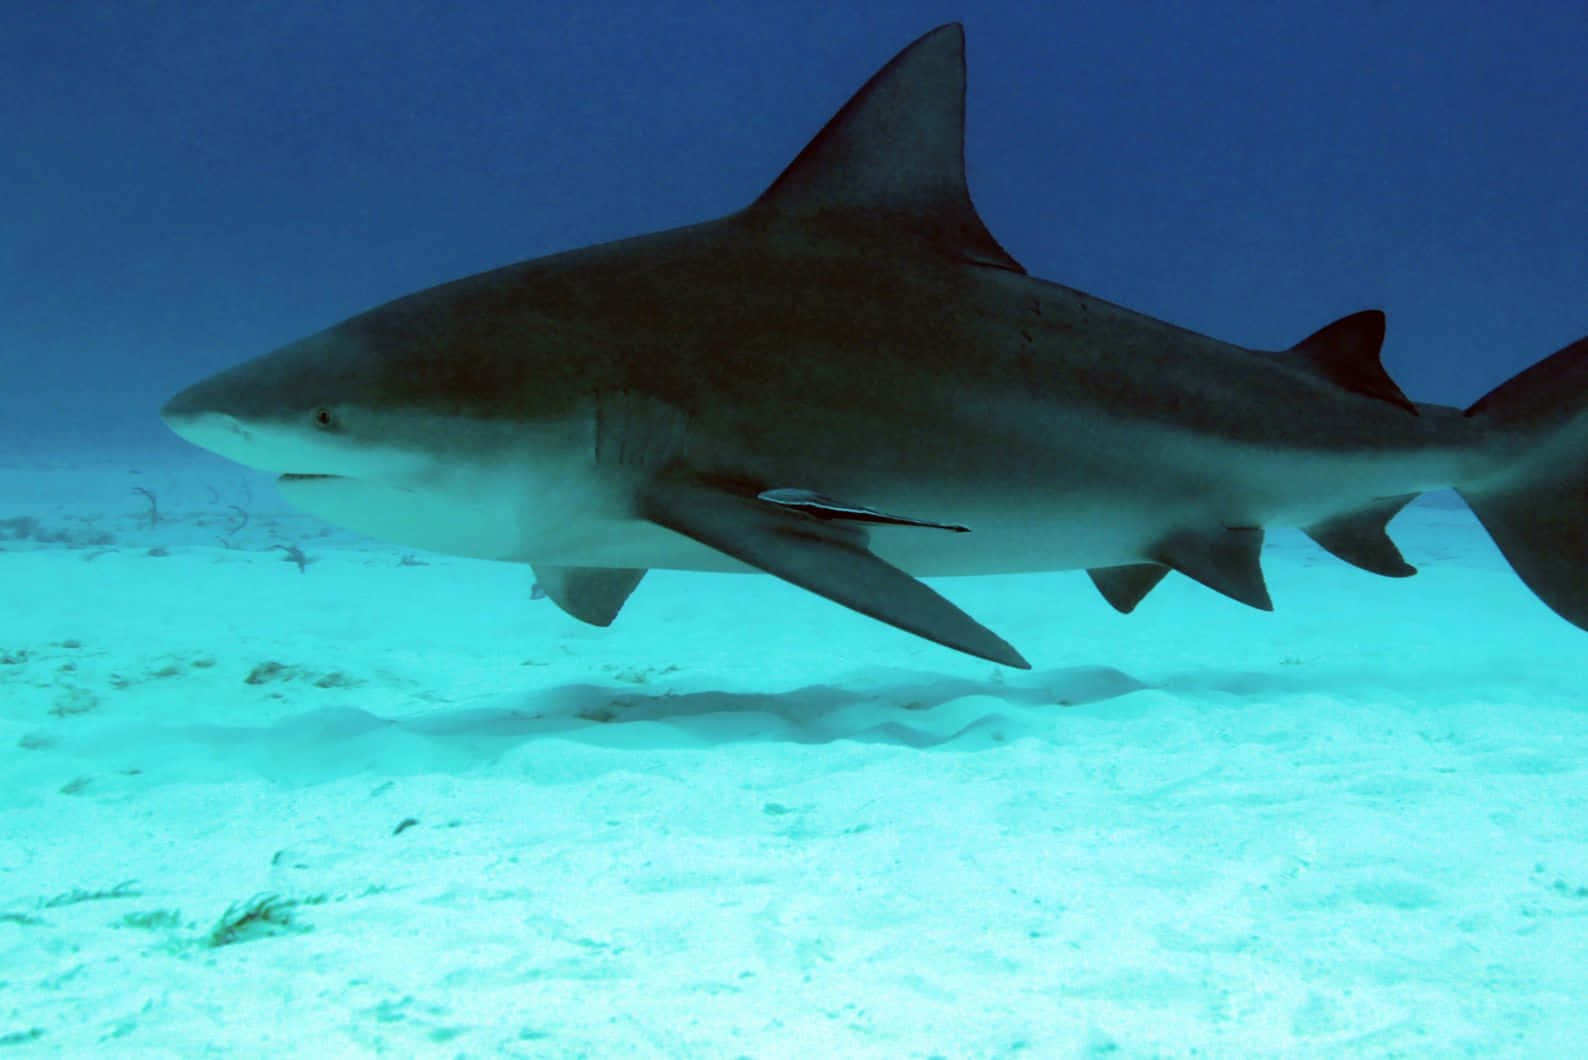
{"x":293,"y":478}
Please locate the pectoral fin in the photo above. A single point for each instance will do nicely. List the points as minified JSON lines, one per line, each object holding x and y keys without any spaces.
{"x":828,"y":556}
{"x":590,"y":594}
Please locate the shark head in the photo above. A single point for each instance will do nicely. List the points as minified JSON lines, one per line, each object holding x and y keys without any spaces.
{"x":314,"y":409}
{"x":402,"y":421}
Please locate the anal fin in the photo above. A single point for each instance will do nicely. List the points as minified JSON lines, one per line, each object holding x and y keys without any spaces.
{"x":1359,"y":537}
{"x":590,"y":594}
{"x":1225,"y":559}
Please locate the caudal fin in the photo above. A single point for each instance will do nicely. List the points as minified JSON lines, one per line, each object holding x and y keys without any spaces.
{"x":1537,"y":511}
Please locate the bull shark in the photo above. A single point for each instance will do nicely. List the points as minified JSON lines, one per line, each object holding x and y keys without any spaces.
{"x":851,"y":385}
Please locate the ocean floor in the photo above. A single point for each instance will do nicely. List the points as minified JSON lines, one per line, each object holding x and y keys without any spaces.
{"x":271,"y":789}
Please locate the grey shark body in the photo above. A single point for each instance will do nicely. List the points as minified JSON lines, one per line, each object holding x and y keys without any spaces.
{"x":851,"y":385}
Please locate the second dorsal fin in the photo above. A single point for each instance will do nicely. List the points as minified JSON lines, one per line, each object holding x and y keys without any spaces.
{"x":1347,"y":352}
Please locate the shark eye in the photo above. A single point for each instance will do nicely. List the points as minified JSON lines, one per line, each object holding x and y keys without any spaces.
{"x":323,"y":419}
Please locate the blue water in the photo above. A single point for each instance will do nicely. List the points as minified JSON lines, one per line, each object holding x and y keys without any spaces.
{"x":743,"y":821}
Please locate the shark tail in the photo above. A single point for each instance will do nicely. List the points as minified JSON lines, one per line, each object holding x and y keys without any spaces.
{"x":1536,"y":507}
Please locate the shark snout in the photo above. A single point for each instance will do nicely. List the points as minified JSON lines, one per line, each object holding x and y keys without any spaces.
{"x":215,"y":431}
{"x":186,"y":404}
{"x":192,"y":416}
{"x":232,"y":416}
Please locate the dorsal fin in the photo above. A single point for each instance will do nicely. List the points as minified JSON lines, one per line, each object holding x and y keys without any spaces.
{"x":1347,"y":352}
{"x":895,"y":155}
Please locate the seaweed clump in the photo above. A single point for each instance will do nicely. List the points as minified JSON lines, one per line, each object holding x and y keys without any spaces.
{"x":261,"y":917}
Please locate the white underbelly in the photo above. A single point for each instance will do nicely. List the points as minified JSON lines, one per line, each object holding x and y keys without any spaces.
{"x":567,"y":519}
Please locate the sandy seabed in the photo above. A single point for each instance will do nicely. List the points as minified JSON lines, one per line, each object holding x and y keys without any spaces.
{"x":383,"y":803}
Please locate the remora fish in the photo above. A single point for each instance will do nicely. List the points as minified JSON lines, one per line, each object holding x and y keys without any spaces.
{"x":850,"y":384}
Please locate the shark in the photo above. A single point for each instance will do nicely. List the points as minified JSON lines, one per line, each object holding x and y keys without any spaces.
{"x":850,"y":384}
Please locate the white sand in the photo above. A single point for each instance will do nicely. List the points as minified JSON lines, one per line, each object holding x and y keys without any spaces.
{"x":745,"y":821}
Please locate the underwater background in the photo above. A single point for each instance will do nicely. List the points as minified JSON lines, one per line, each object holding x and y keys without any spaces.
{"x":271,"y":788}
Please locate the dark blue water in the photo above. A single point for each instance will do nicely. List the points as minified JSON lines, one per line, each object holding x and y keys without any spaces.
{"x":184,"y":188}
